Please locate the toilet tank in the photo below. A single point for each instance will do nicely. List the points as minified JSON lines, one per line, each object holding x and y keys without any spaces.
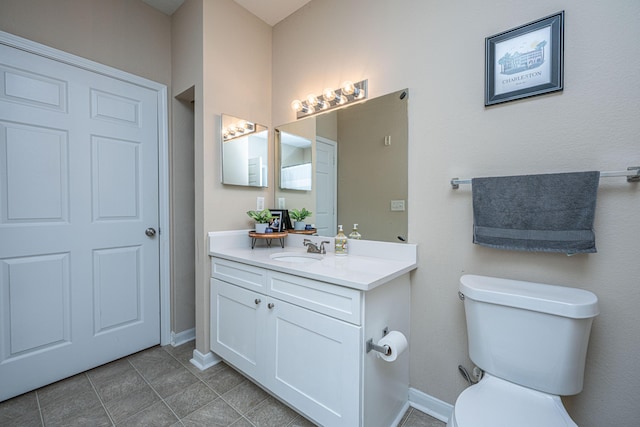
{"x":531,"y":334}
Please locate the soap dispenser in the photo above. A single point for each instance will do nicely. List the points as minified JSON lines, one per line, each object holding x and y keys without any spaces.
{"x":354,"y":234}
{"x":340,"y":242}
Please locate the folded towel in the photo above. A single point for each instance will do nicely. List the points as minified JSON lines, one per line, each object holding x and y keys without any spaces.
{"x":542,"y":213}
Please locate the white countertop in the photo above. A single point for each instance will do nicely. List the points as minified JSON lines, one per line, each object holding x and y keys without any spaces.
{"x":368,"y":265}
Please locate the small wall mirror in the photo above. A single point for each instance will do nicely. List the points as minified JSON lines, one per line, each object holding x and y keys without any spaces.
{"x":245,"y":151}
{"x":295,"y":161}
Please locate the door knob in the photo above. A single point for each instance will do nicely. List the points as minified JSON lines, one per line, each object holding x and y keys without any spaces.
{"x":150,"y":232}
{"x":257,"y":301}
{"x":271,"y":305}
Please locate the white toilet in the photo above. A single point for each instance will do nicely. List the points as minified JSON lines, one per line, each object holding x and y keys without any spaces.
{"x":531,"y":341}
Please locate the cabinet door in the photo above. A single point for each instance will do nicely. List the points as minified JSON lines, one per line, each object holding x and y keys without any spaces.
{"x":314,"y":363}
{"x":238,"y":327}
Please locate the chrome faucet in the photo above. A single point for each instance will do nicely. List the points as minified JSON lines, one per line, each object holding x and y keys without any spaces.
{"x":313,"y":247}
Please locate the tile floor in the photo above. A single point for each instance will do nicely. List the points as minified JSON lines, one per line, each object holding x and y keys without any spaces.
{"x":160,"y":387}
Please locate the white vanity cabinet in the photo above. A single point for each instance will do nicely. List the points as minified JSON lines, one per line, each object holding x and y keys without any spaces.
{"x":299,"y":338}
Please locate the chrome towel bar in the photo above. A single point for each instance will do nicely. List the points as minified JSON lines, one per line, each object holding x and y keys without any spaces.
{"x":632,"y":173}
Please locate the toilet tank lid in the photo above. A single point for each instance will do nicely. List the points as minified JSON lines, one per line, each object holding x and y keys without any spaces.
{"x":558,"y":300}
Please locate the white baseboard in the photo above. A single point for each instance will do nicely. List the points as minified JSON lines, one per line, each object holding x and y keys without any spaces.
{"x":430,"y":405}
{"x":396,"y":422}
{"x":183,"y":337}
{"x":204,"y":361}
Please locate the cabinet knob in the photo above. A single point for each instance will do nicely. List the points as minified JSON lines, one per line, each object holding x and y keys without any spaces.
{"x":258,"y":301}
{"x":271,"y":305}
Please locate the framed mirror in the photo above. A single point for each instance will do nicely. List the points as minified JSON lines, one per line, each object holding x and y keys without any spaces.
{"x":359,"y":161}
{"x":245,"y":151}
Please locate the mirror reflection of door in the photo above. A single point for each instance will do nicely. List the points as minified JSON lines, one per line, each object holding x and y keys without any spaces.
{"x":326,"y":180}
{"x":245,"y":150}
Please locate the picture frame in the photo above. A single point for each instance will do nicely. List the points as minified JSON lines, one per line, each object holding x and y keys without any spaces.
{"x":275,"y":223}
{"x":283,"y":220}
{"x":525,"y":61}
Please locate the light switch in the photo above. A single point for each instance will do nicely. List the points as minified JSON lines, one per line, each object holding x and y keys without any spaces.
{"x":260,"y":203}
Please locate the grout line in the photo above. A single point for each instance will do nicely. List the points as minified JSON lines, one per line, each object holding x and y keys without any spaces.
{"x":39,"y":409}
{"x":95,"y":390}
{"x":154,"y":390}
{"x":219,"y":396}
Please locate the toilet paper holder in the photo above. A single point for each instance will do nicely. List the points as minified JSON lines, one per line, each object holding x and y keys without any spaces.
{"x":384,"y":349}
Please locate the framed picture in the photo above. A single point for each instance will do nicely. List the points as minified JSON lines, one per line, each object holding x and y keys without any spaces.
{"x":525,"y":61}
{"x":276,"y":221}
{"x":281,"y":220}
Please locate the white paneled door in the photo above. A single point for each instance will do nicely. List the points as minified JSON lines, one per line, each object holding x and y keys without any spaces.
{"x":79,"y":261}
{"x":326,"y":187}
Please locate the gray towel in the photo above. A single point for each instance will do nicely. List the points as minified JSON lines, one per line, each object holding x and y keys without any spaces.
{"x":542,"y":213}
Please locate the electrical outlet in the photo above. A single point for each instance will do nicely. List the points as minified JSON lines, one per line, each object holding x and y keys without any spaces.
{"x":260,"y":203}
{"x":397,"y":205}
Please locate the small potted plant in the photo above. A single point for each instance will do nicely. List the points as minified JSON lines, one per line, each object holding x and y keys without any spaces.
{"x":298,"y":217}
{"x":261,"y":218}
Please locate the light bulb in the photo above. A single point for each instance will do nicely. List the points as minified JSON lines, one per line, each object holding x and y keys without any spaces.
{"x":242,"y":124}
{"x":323,"y":104}
{"x":348,"y":88}
{"x":329,"y":94}
{"x":312,"y":99}
{"x":296,"y":105}
{"x":341,"y":100}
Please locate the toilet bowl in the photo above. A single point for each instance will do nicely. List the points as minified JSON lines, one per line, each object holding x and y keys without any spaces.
{"x":531,"y":340}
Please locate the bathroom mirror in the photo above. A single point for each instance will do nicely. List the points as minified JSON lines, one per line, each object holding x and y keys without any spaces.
{"x":245,"y":150}
{"x":295,"y":161}
{"x":359,"y":158}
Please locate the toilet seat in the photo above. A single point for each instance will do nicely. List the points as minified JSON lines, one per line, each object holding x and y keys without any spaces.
{"x":494,"y":402}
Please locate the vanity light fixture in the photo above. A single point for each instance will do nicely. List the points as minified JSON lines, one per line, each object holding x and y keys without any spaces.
{"x":236,"y":130}
{"x":331,"y":98}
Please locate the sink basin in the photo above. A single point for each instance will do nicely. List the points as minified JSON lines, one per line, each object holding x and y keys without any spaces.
{"x":301,"y":257}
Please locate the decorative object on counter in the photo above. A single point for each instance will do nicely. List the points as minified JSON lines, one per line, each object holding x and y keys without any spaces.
{"x":298,"y":217}
{"x":285,"y":221}
{"x":355,"y":235}
{"x":525,"y":61}
{"x":262,"y":219}
{"x":267,"y":237}
{"x":341,"y":242}
{"x":306,"y":231}
{"x":275,"y":224}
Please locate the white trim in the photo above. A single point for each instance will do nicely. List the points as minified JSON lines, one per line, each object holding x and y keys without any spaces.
{"x":183,"y":337}
{"x":163,"y":153}
{"x":400,"y":415}
{"x":204,"y":361}
{"x":430,"y":405}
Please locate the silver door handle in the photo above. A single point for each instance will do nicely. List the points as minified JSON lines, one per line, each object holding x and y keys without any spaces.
{"x":150,"y":232}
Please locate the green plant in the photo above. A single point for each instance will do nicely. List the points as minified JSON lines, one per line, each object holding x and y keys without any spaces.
{"x":260,"y":217}
{"x":299,"y":215}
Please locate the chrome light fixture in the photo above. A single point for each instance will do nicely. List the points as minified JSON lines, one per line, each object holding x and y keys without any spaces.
{"x":348,"y":93}
{"x":236,"y":130}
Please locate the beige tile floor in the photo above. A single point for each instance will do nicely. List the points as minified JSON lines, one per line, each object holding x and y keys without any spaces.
{"x":159,"y":387}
